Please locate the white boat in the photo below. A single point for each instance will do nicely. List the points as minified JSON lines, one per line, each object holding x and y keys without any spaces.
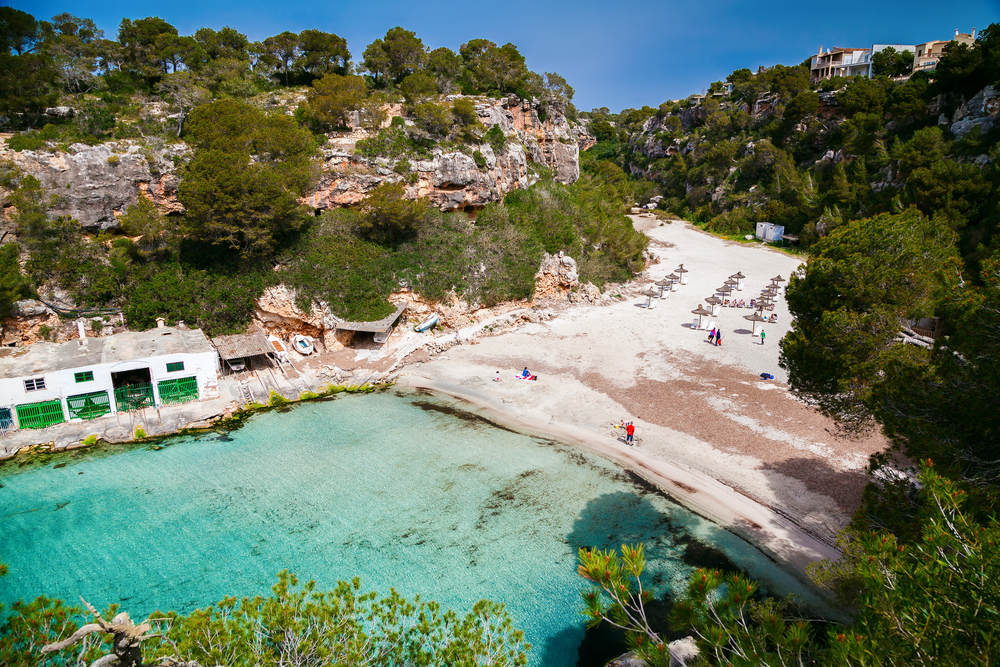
{"x":302,"y":344}
{"x":428,"y":323}
{"x":279,"y":347}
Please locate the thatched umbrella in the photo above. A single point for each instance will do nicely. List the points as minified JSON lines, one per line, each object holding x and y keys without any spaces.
{"x":714,"y":303}
{"x":777,"y":279}
{"x":702,"y":314}
{"x":664,"y":285}
{"x":725,"y":291}
{"x":738,"y":277}
{"x":755,"y":318}
{"x":651,"y":294}
{"x":681,"y":270}
{"x":674,"y":280}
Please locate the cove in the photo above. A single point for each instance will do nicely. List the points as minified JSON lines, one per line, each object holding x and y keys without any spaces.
{"x":403,"y":490}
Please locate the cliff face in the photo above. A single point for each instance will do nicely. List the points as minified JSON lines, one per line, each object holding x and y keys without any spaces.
{"x":96,"y":184}
{"x":452,"y":180}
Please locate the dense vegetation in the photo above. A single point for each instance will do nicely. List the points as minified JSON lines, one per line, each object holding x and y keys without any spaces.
{"x":295,"y":625}
{"x":898,"y":208}
{"x":250,"y":162}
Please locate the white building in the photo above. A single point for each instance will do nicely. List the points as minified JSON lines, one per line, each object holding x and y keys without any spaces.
{"x":49,"y":383}
{"x":768,"y":231}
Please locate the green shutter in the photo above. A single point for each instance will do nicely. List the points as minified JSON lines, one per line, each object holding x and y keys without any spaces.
{"x":89,"y":406}
{"x":40,"y":415}
{"x":134,"y":397}
{"x":180,"y":390}
{"x":175,"y":366}
{"x":86,"y":376}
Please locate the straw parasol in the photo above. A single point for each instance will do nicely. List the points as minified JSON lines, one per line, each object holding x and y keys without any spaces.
{"x":681,"y":270}
{"x":777,"y":279}
{"x":674,"y":279}
{"x":702,"y":314}
{"x":738,"y":277}
{"x":755,"y":318}
{"x":663,"y":285}
{"x":725,"y":291}
{"x":714,"y":303}
{"x":651,"y":294}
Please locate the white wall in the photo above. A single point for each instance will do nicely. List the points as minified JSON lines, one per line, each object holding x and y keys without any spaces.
{"x":62,"y":383}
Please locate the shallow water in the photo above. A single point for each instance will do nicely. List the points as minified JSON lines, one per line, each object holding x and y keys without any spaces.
{"x":401,"y":490}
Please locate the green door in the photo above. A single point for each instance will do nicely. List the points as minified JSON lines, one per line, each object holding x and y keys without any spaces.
{"x":40,"y":415}
{"x":89,"y":406}
{"x":134,"y":397}
{"x":180,"y":390}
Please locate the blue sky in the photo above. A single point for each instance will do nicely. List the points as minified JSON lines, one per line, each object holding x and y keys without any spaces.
{"x":617,"y":55}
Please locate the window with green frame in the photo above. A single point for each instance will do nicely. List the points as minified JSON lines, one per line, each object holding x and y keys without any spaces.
{"x":175,"y":366}
{"x":85,"y":376}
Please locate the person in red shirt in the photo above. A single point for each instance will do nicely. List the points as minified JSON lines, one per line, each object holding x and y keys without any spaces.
{"x":630,"y":430}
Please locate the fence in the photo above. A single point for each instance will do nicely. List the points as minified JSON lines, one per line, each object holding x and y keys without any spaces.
{"x":88,"y":406}
{"x":180,"y":390}
{"x":134,"y":397}
{"x":40,"y":415}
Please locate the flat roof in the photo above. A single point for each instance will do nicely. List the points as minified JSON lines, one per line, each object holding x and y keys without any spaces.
{"x":377,"y":326}
{"x":239,"y":346}
{"x":43,"y":357}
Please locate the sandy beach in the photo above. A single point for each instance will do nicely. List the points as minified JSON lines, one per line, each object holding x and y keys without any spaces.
{"x":739,"y":450}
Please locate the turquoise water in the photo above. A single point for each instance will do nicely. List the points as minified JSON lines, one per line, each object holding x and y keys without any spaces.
{"x":400,"y":490}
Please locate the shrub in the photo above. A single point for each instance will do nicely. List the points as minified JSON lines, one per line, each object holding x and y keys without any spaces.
{"x":90,"y":440}
{"x":496,"y":139}
{"x":140,"y":433}
{"x":275,"y":399}
{"x":44,"y":332}
{"x":113,"y":160}
{"x":480,"y":160}
{"x":433,"y":118}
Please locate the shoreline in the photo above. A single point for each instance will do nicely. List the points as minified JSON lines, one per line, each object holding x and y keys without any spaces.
{"x":740,"y":451}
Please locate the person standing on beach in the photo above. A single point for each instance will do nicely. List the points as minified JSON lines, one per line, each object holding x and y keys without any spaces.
{"x":630,"y":431}
{"x":761,"y":336}
{"x":496,"y":378}
{"x":718,"y":337}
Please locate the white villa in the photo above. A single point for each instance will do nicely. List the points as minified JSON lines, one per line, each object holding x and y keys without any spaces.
{"x":50,"y":383}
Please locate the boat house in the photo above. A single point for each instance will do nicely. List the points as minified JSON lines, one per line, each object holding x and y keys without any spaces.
{"x":49,"y":383}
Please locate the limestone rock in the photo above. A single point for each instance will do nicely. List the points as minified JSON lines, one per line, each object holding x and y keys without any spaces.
{"x":60,"y":112}
{"x":557,"y":276}
{"x":981,"y":111}
{"x":30,"y":308}
{"x":96,"y":184}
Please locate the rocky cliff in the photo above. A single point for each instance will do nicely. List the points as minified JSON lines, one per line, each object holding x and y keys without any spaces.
{"x":95,"y":184}
{"x":452,"y":180}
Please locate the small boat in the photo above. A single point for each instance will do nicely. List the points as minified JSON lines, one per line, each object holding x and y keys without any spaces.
{"x":427,"y":324}
{"x":279,"y":347}
{"x":383,"y":336}
{"x":302,"y":344}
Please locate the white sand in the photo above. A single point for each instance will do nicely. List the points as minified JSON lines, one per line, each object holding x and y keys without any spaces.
{"x":734,"y":448}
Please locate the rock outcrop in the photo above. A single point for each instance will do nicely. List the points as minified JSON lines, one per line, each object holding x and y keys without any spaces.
{"x":453,"y":180}
{"x":96,"y":184}
{"x":981,"y":111}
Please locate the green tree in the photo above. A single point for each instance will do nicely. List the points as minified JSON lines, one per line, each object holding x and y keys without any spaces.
{"x":184,"y":91}
{"x":446,"y":67}
{"x":416,"y":88}
{"x":388,"y":217}
{"x":491,"y":68}
{"x":27,"y":87}
{"x":889,"y":62}
{"x":334,"y":96}
{"x":434,"y":119}
{"x":14,"y":286}
{"x":241,"y":189}
{"x":322,"y":53}
{"x":225,"y":43}
{"x":849,"y":302}
{"x":19,"y":31}
{"x":397,"y":55}
{"x":284,"y":50}
{"x":138,"y":39}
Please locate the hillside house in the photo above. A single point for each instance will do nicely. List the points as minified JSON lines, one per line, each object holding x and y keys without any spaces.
{"x":839,"y":62}
{"x":927,"y":55}
{"x":49,"y":383}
